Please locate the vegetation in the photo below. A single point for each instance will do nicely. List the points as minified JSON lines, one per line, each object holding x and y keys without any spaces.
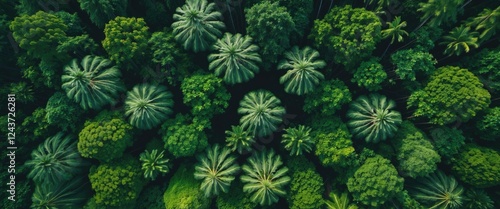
{"x":239,"y":140}
{"x":439,"y":191}
{"x":261,"y":112}
{"x":148,"y":105}
{"x":302,"y":75}
{"x":183,"y":191}
{"x":297,"y":140}
{"x":478,"y":166}
{"x":153,"y":163}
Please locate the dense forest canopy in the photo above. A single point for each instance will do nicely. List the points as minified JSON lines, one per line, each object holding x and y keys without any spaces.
{"x":242,"y":104}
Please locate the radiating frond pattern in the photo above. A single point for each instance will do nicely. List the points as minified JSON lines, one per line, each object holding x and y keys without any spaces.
{"x":239,"y":140}
{"x":372,"y":118}
{"x":216,"y":168}
{"x":438,"y":191}
{"x":262,"y":112}
{"x":460,"y":39}
{"x":298,"y":140}
{"x":235,"y":57}
{"x":154,"y":163}
{"x":148,"y":105}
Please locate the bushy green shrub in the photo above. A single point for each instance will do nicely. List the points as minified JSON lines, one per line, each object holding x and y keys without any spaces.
{"x":306,"y":186}
{"x":416,"y":156}
{"x":478,"y":166}
{"x":183,"y":191}
{"x":235,"y":198}
{"x":184,"y":137}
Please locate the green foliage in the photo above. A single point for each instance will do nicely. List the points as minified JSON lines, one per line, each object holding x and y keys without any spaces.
{"x":395,"y":29}
{"x":416,"y":156}
{"x":151,"y":197}
{"x":438,"y":12}
{"x":239,"y":139}
{"x":302,"y":76}
{"x":102,"y":11}
{"x":235,"y":57}
{"x":105,"y":139}
{"x":183,"y":191}
{"x":271,"y":26}
{"x":205,"y":94}
{"x":72,"y":21}
{"x":460,"y":40}
{"x":447,"y":141}
{"x":328,"y":97}
{"x":235,"y":198}
{"x":298,"y":140}
{"x":452,"y":94}
{"x":35,"y":127}
{"x":334,"y":147}
{"x":78,"y":46}
{"x":262,"y":112}
{"x":148,"y":105}
{"x":23,"y":91}
{"x":489,"y":125}
{"x":372,"y":118}
{"x":478,"y":166}
{"x":217,"y":169}
{"x":410,"y":62}
{"x":55,"y":161}
{"x":63,"y":112}
{"x":370,"y":75}
{"x":153,"y":163}
{"x":38,"y":32}
{"x":117,"y":183}
{"x":66,"y":194}
{"x":264,"y":177}
{"x":408,"y":202}
{"x":438,"y":191}
{"x":23,"y":195}
{"x":477,"y":199}
{"x":183,"y":136}
{"x":426,"y":37}
{"x":486,"y":21}
{"x":94,"y":85}
{"x":300,"y":10}
{"x":197,"y":25}
{"x":169,"y":54}
{"x":306,"y":185}
{"x":126,"y":39}
{"x":375,"y":182}
{"x":347,"y":40}
{"x":339,"y":201}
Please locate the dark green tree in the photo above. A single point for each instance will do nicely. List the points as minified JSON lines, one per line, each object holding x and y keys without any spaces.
{"x":328,"y":97}
{"x":489,"y":124}
{"x":261,"y":111}
{"x":477,"y":199}
{"x":438,"y":12}
{"x":102,"y":11}
{"x":184,"y":192}
{"x":459,"y":40}
{"x":65,"y":194}
{"x":235,"y":198}
{"x":334,"y":147}
{"x":487,"y":22}
{"x":239,"y":140}
{"x":184,"y":136}
{"x":147,"y":105}
{"x":447,"y":141}
{"x":410,"y":62}
{"x":477,"y":166}
{"x":126,"y":39}
{"x":417,"y":156}
{"x":370,"y":75}
{"x":306,"y":185}
{"x":298,"y":140}
{"x":395,"y":30}
{"x":154,"y":163}
{"x":205,"y":94}
{"x":339,"y":201}
{"x":438,"y":191}
{"x":62,"y":112}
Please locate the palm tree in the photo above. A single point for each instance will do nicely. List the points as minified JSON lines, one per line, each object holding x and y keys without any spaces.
{"x":438,"y":191}
{"x":217,"y":168}
{"x":459,"y":40}
{"x":154,"y":163}
{"x":261,"y":112}
{"x":55,"y":160}
{"x":68,"y":194}
{"x":264,"y":177}
{"x":94,"y":86}
{"x":197,"y":25}
{"x":239,"y":139}
{"x":148,"y":105}
{"x":486,"y":21}
{"x":236,"y":58}
{"x":372,"y":118}
{"x":297,"y":140}
{"x":302,"y":76}
{"x":339,"y":202}
{"x":395,"y":30}
{"x":439,"y":11}
{"x":477,"y":199}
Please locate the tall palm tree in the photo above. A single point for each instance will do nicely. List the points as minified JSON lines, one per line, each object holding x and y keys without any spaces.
{"x":264,"y":177}
{"x":236,"y":58}
{"x":339,"y":201}
{"x":217,"y":168}
{"x":439,"y":11}
{"x":148,"y":105}
{"x":94,"y":85}
{"x":67,"y":194}
{"x":372,"y":118}
{"x":487,"y":21}
{"x":261,"y":112}
{"x":197,"y":25}
{"x":438,"y":191}
{"x":298,"y":140}
{"x":55,"y":160}
{"x":154,"y":163}
{"x":302,"y":75}
{"x":239,"y":139}
{"x":395,"y":30}
{"x":459,"y":40}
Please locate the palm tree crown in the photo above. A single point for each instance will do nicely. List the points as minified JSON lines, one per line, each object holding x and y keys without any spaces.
{"x":302,"y":76}
{"x":439,"y":11}
{"x":154,"y":163}
{"x":395,"y":30}
{"x":371,"y":118}
{"x":236,"y":58}
{"x":439,"y":191}
{"x":94,"y":86}
{"x":486,"y":21}
{"x":239,"y":139}
{"x":216,"y":167}
{"x":67,"y":194}
{"x":459,"y":40}
{"x":197,"y":25}
{"x":148,"y":105}
{"x":264,"y":177}
{"x":56,"y":160}
{"x":261,"y":112}
{"x":297,"y":140}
